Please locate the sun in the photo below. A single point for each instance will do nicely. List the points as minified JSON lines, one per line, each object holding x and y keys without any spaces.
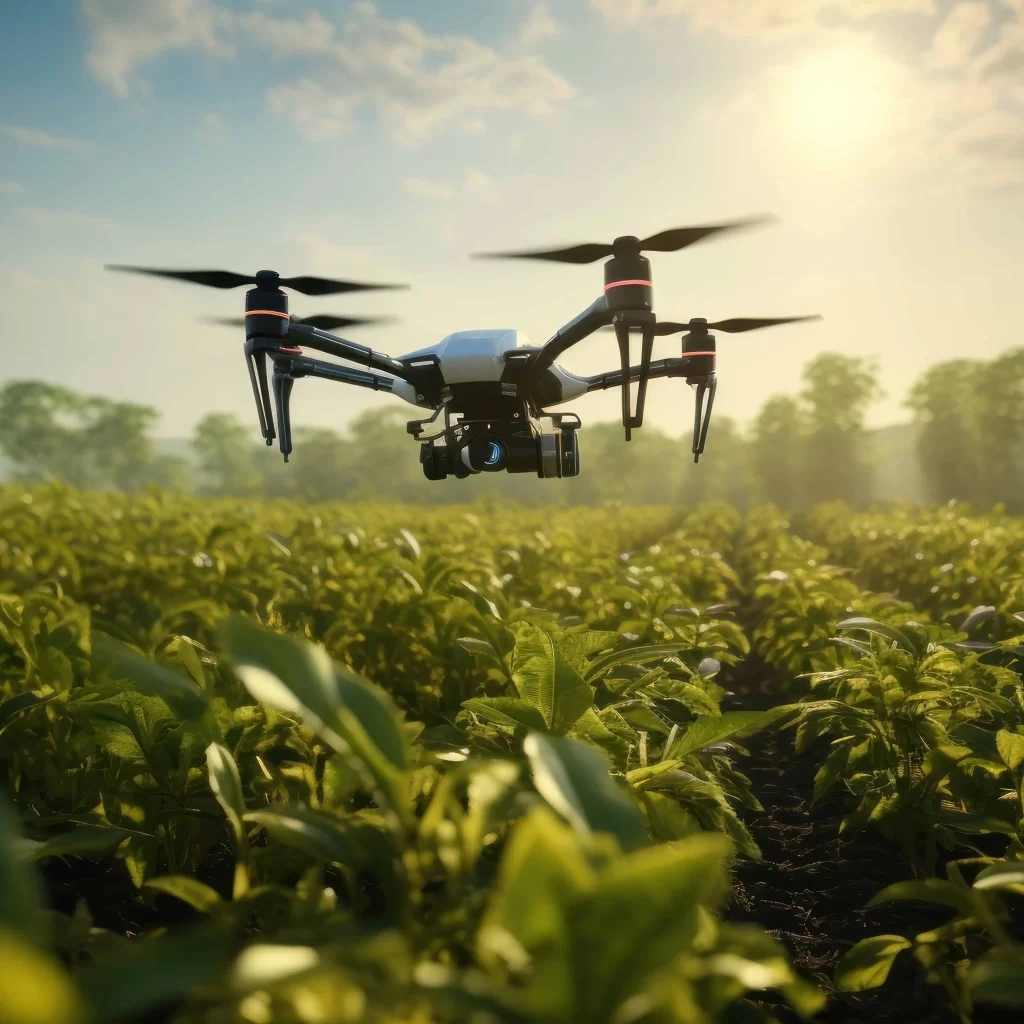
{"x":839,"y":101}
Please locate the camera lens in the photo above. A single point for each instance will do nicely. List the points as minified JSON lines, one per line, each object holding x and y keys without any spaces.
{"x":487,"y":454}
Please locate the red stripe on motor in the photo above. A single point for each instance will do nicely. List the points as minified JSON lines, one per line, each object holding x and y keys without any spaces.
{"x":688,"y":354}
{"x":266,"y":312}
{"x":620,"y":284}
{"x":299,"y":350}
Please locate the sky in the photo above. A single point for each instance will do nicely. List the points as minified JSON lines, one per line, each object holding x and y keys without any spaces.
{"x":389,"y":141}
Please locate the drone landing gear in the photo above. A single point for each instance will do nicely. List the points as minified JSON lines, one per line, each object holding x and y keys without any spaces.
{"x":705,"y":386}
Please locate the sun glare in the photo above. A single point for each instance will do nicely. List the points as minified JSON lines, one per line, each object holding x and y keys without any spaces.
{"x":839,"y":99}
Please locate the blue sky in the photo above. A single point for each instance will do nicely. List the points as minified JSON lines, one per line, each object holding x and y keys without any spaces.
{"x":388,"y":141}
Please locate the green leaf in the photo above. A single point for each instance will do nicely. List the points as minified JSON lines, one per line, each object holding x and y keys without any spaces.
{"x":154,"y":972}
{"x":21,"y":892}
{"x":35,"y":988}
{"x":713,"y":729}
{"x":543,"y":872}
{"x":999,"y":978}
{"x":641,"y":915}
{"x":83,"y":840}
{"x":509,"y":711}
{"x":1009,"y":875}
{"x":573,"y":777}
{"x":631,"y":656}
{"x":348,"y":713}
{"x":191,"y":660}
{"x":226,"y":784}
{"x":878,"y":629}
{"x":14,"y":706}
{"x":315,"y":833}
{"x":868,"y":963}
{"x":188,"y":889}
{"x":180,"y":694}
{"x":927,"y":890}
{"x":1011,"y":748}
{"x":545,"y":679}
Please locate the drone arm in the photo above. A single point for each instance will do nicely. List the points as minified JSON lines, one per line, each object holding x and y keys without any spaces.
{"x":313,"y":337}
{"x":303,"y":366}
{"x":595,"y":316}
{"x":658,"y":368}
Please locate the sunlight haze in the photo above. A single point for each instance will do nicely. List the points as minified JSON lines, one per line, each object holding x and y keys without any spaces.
{"x":387,"y":142}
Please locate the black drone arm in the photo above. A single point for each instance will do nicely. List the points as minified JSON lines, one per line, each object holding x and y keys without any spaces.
{"x":594,"y":317}
{"x":689,"y":367}
{"x":288,"y":368}
{"x":658,"y":368}
{"x":313,"y":337}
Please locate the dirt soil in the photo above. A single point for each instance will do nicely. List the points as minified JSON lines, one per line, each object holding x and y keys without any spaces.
{"x":810,"y":890}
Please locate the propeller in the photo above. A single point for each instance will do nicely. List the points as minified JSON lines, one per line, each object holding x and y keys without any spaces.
{"x":671,"y":240}
{"x":738,"y":325}
{"x":268,"y":279}
{"x":322,"y":321}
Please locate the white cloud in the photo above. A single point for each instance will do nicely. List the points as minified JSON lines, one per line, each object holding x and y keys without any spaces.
{"x":62,"y":220}
{"x":475,"y":183}
{"x":126,"y":33}
{"x":961,"y":32}
{"x":419,"y":82}
{"x":539,"y":25}
{"x":211,"y":127}
{"x":318,"y":114}
{"x":746,"y":17}
{"x":10,"y":188}
{"x":429,"y":189}
{"x":44,"y":140}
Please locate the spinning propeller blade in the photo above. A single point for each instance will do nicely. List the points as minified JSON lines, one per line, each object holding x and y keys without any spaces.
{"x":322,"y":321}
{"x":738,"y":325}
{"x":664,"y":241}
{"x":265,"y":278}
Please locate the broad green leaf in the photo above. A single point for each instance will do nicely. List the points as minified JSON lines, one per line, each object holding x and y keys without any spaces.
{"x":152,"y":972}
{"x":509,"y":711}
{"x":342,"y":707}
{"x":591,"y":729}
{"x":34,"y":987}
{"x":710,"y":730}
{"x":642,"y":913}
{"x":927,"y":890}
{"x":545,"y":679}
{"x":1011,"y":748}
{"x":188,"y":889}
{"x":263,"y":964}
{"x":180,"y":694}
{"x":226,"y":784}
{"x":999,"y":978}
{"x":573,"y":777}
{"x":868,"y":963}
{"x":21,"y":893}
{"x":1009,"y":875}
{"x":543,"y":872}
{"x":190,"y":659}
{"x":85,"y":839}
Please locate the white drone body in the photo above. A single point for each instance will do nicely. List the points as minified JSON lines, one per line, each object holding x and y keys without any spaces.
{"x":478,"y":357}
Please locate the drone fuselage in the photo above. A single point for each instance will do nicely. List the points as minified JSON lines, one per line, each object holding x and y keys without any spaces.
{"x":480,"y":374}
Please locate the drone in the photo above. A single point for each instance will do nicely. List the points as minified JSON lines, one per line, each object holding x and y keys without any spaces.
{"x":490,"y":391}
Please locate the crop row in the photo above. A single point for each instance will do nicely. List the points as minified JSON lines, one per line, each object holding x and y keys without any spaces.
{"x":531,"y":816}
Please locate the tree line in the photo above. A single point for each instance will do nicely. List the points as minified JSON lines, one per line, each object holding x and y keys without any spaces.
{"x":968,"y":444}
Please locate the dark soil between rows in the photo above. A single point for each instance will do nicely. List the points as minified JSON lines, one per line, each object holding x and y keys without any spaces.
{"x":811,"y":888}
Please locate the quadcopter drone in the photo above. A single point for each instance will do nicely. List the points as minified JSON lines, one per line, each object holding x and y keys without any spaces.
{"x":489,"y":390}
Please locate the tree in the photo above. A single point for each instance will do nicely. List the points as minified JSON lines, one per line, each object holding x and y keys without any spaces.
{"x":837,"y":391}
{"x":225,"y":453}
{"x":943,"y":400}
{"x":48,"y":431}
{"x":777,"y":446}
{"x":998,"y":402}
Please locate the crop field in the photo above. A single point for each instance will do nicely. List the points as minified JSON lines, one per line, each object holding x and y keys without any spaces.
{"x":267,"y":762}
